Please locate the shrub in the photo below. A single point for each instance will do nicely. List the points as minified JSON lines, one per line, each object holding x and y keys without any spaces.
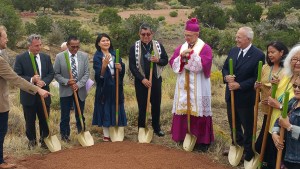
{"x":244,"y":12}
{"x":161,"y":18}
{"x":211,"y":15}
{"x":149,"y":4}
{"x":109,"y":16}
{"x":173,"y":13}
{"x":30,"y":28}
{"x":276,"y":12}
{"x":210,"y":36}
{"x":43,"y":24}
{"x":56,"y":36}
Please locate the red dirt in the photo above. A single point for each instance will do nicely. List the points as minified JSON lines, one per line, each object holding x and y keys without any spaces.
{"x":118,"y":155}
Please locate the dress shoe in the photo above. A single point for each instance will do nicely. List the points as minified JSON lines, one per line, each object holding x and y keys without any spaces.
{"x":7,"y":165}
{"x":225,"y":152}
{"x":160,"y":133}
{"x":31,"y":144}
{"x":66,"y":139}
{"x":43,"y":145}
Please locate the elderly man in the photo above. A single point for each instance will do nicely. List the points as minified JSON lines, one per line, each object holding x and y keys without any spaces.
{"x":245,"y":58}
{"x":32,"y":105}
{"x":139,"y":64}
{"x":192,"y":62}
{"x":80,"y":71}
{"x":8,"y":75}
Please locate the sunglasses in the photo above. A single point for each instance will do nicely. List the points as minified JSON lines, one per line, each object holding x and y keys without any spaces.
{"x":144,"y":34}
{"x":296,"y":86}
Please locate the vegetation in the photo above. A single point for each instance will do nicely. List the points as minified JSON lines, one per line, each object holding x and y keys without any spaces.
{"x":109,"y":16}
{"x":173,"y":13}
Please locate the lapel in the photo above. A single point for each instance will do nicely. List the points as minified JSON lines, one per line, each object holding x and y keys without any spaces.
{"x":246,"y":57}
{"x":79,"y":60}
{"x":43,"y":65}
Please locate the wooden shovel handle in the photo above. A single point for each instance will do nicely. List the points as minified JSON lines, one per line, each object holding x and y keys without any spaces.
{"x":233,"y":117}
{"x":255,"y":119}
{"x":279,"y":152}
{"x":188,"y":99}
{"x":117,"y":97}
{"x":149,"y":93}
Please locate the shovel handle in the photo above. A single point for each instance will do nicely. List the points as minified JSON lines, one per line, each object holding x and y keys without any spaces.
{"x":149,"y":93}
{"x":279,"y":152}
{"x":255,"y":119}
{"x":117,"y":97}
{"x":188,"y":97}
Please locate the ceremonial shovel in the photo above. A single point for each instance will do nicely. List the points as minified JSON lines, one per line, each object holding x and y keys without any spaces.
{"x":146,"y":134}
{"x":116,"y":133}
{"x":190,"y":139}
{"x":235,"y":151}
{"x":253,"y":163}
{"x":84,"y":137}
{"x":52,"y":142}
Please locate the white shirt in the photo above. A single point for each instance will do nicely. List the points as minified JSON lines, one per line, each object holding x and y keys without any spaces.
{"x":39,"y":64}
{"x":245,"y":50}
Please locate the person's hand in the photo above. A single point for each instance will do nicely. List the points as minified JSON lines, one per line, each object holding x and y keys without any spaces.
{"x":35,"y":78}
{"x":186,"y":53}
{"x":154,"y":59}
{"x":118,"y":66}
{"x":284,"y":122}
{"x":276,"y":141}
{"x":264,"y":102}
{"x":233,"y":85}
{"x":106,"y":60}
{"x":275,"y":80}
{"x":71,"y":82}
{"x":43,"y":93}
{"x":229,"y":78}
{"x":257,"y":85}
{"x":40,"y":83}
{"x":146,"y":83}
{"x":75,"y":87}
{"x":273,"y":103}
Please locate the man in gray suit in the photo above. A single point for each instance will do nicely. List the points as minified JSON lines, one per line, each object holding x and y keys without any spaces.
{"x":80,"y":71}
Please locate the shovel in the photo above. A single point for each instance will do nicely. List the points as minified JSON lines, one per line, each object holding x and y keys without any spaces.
{"x":253,"y":163}
{"x":282,"y":130}
{"x":264,"y":142}
{"x":84,"y":137}
{"x":51,"y":142}
{"x":190,"y":139}
{"x":145,"y":134}
{"x":235,"y":151}
{"x":116,"y":133}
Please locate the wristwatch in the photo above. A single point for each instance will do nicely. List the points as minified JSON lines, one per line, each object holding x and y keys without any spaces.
{"x":280,"y":107}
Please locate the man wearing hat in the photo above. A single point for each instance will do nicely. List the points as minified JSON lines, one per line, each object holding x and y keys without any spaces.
{"x":192,"y":62}
{"x":139,"y":64}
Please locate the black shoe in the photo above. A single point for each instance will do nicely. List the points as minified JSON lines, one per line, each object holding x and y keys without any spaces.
{"x":43,"y":145}
{"x":160,"y":133}
{"x":31,"y":144}
{"x":202,"y":147}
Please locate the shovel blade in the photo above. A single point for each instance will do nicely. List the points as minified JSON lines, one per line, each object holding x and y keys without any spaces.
{"x":235,"y":154}
{"x":116,"y":133}
{"x":85,"y":139}
{"x":52,"y":143}
{"x":189,"y":142}
{"x":145,"y":135}
{"x":253,"y":163}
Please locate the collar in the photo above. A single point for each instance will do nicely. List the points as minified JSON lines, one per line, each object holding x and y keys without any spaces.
{"x":70,"y":54}
{"x":246,"y":49}
{"x":146,"y":44}
{"x":37,"y":55}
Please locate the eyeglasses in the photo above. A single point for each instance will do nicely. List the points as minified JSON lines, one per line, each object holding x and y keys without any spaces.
{"x":75,"y":47}
{"x":295,"y":60}
{"x":296,"y":86}
{"x":144,"y":34}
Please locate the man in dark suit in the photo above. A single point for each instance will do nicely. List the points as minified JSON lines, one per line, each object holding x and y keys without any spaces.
{"x":8,"y":75}
{"x":245,"y":58}
{"x":32,"y":104}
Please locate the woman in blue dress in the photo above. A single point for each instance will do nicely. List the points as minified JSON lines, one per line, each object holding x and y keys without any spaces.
{"x":105,"y":98}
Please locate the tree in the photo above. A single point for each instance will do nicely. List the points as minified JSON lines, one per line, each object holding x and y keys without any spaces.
{"x":109,"y":16}
{"x":244,"y":12}
{"x":44,"y":24}
{"x":32,"y":5}
{"x":211,"y":16}
{"x":149,"y":4}
{"x":11,"y":20}
{"x":276,"y":12}
{"x":64,"y":5}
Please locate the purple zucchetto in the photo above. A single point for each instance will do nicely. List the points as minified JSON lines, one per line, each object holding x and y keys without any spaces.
{"x":192,"y":25}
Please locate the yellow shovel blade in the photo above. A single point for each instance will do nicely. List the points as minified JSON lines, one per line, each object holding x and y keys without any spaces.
{"x":85,"y":139}
{"x":253,"y":163}
{"x":235,"y":154}
{"x":116,"y":133}
{"x":52,"y":143}
{"x":145,"y":135}
{"x":189,"y":142}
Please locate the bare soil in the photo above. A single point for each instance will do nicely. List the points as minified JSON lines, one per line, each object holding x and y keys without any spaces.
{"x":125,"y":154}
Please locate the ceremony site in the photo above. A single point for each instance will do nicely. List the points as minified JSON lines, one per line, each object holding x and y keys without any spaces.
{"x":150,"y":84}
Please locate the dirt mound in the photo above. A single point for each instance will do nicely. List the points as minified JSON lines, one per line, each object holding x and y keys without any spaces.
{"x":119,"y":155}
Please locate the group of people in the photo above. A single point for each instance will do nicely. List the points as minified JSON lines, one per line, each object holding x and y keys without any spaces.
{"x":283,"y":69}
{"x":191,"y":61}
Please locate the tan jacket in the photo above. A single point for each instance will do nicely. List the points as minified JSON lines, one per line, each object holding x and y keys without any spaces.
{"x":8,"y":75}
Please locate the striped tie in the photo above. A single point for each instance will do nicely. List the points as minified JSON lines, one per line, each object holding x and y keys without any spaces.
{"x":74,"y":69}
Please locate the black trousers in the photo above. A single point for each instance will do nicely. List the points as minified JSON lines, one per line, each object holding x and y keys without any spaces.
{"x":30,"y":113}
{"x":243,"y":118}
{"x":3,"y":131}
{"x":155,"y":100}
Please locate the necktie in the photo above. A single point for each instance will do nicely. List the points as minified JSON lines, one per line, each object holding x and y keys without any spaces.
{"x":37,"y":66}
{"x":241,"y":55}
{"x":74,"y":69}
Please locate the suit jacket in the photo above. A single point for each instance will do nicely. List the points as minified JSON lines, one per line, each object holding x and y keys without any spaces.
{"x":62,"y":75}
{"x":23,"y":67}
{"x":8,"y":75}
{"x":246,"y":75}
